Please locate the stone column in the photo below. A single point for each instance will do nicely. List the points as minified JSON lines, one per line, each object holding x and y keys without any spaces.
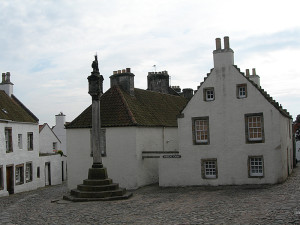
{"x":95,"y":90}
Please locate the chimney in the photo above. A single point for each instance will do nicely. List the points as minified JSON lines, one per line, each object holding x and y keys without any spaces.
{"x":123,"y":78}
{"x":176,"y":88}
{"x":218,"y":43}
{"x":187,"y":93}
{"x":223,"y":57}
{"x":255,"y":78}
{"x":6,"y":85}
{"x":158,"y":81}
{"x":60,"y":120}
{"x":247,"y":73}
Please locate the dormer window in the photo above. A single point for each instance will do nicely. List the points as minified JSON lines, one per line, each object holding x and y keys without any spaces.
{"x":209,"y":94}
{"x":241,"y":91}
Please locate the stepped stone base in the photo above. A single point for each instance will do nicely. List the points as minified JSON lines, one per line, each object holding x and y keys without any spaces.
{"x":98,"y":187}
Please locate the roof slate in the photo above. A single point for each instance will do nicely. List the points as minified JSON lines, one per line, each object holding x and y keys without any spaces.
{"x":12,"y":109}
{"x":145,"y":108}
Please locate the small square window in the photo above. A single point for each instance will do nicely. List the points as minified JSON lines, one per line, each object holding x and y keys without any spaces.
{"x":241,"y":91}
{"x":209,"y":94}
{"x":256,"y":166}
{"x":209,"y":168}
{"x":19,"y":174}
{"x":20,"y":142}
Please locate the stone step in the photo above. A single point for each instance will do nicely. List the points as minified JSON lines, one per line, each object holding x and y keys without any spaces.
{"x":97,"y":182}
{"x":95,"y":194}
{"x":84,"y":187}
{"x":76,"y":199}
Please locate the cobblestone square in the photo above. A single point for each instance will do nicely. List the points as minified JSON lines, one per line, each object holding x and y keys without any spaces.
{"x":267,"y":204}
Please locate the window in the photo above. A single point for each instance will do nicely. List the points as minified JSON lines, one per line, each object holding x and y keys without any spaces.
{"x":1,"y":178}
{"x":256,"y":166}
{"x":19,"y":174}
{"x":209,"y":168}
{"x":20,"y":143}
{"x":241,"y":91}
{"x":30,"y":141}
{"x":28,"y":171}
{"x":54,"y":146}
{"x":254,"y":125}
{"x":8,"y":139}
{"x":209,"y":94}
{"x":200,"y":130}
{"x":38,"y":172}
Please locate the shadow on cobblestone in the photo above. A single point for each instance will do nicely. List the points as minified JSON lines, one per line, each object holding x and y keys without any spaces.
{"x":261,"y":204}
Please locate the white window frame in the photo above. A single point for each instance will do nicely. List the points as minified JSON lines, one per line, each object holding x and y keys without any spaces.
{"x":256,"y":166}
{"x":254,"y":129}
{"x":209,"y":168}
{"x":209,"y":95}
{"x":241,"y":91}
{"x":20,"y":141}
{"x":201,"y":130}
{"x":19,"y":174}
{"x":8,"y":139}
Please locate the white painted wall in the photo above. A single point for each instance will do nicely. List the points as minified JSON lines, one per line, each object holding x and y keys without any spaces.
{"x":298,"y":150}
{"x":227,"y":135}
{"x":124,"y":146}
{"x":19,"y":156}
{"x":46,"y":140}
{"x":60,"y":131}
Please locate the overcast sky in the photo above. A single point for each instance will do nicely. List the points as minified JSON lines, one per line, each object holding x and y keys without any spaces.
{"x":48,"y":46}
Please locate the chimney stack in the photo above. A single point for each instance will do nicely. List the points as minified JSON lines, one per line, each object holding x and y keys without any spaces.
{"x":6,"y":85}
{"x":158,"y":81}
{"x":247,"y":73}
{"x":255,"y":78}
{"x":123,"y":78}
{"x":187,"y":93}
{"x":223,"y":57}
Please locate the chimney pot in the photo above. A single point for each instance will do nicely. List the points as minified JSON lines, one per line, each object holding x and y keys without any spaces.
{"x":127,"y":70}
{"x":123,"y":70}
{"x":3,"y":78}
{"x":226,"y":42}
{"x":253,"y":72}
{"x":218,"y":43}
{"x":247,"y":73}
{"x":115,"y":72}
{"x":119,"y":71}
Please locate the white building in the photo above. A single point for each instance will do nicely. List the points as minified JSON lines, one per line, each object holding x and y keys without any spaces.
{"x":231,"y":132}
{"x":21,"y":168}
{"x":54,"y":164}
{"x":60,"y":131}
{"x":138,"y":126}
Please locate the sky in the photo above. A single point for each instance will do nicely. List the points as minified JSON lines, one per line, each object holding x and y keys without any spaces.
{"x":48,"y":46}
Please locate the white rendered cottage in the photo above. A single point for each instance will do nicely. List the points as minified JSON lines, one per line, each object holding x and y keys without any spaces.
{"x":21,"y":167}
{"x":54,"y":164}
{"x":231,"y":132}
{"x":19,"y":145}
{"x":138,"y":127}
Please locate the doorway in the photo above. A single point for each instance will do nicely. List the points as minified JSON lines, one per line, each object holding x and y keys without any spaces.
{"x":10,"y":179}
{"x":62,"y":171}
{"x":47,"y":174}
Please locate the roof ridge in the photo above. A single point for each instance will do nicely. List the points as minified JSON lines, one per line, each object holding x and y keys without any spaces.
{"x":126,"y":105}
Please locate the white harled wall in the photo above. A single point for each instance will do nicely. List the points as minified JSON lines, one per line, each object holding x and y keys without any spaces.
{"x":227,"y":134}
{"x":20,"y":156}
{"x":124,"y":146}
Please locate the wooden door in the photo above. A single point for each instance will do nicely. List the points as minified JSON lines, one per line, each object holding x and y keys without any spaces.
{"x":10,"y":179}
{"x":47,"y":174}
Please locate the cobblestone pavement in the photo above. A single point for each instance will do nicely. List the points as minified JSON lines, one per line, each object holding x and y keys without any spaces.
{"x":268,"y":204}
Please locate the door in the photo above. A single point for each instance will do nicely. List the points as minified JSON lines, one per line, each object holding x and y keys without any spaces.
{"x":10,"y":179}
{"x":62,"y":170}
{"x":47,"y":174}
